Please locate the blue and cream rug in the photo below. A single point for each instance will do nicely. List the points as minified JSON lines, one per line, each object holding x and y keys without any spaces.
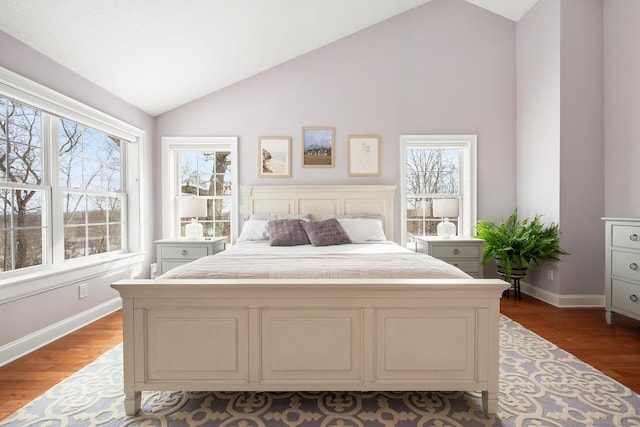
{"x":540,"y":385}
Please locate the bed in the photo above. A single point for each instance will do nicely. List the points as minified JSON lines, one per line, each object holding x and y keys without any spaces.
{"x":307,"y":324}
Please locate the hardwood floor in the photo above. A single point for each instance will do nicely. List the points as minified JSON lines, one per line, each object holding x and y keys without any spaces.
{"x":583,"y":332}
{"x":28,"y":377}
{"x":614,"y":350}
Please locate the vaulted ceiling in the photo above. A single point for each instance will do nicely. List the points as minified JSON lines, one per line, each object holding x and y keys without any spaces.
{"x":159,"y":54}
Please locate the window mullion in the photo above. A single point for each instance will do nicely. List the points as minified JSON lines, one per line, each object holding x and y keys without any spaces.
{"x":56,"y":244}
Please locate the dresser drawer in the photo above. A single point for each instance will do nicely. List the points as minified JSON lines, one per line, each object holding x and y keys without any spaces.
{"x":625,"y":236}
{"x":183,"y":252}
{"x":455,"y":251}
{"x":625,"y":296}
{"x":625,"y":264}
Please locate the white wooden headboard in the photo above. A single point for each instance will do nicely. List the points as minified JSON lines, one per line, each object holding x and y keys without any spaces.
{"x":319,"y":200}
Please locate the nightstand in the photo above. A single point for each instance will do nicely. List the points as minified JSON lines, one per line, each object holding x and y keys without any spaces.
{"x":171,"y":253}
{"x":463,"y":252}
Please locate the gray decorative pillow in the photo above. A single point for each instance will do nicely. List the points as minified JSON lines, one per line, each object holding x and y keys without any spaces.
{"x":287,"y":232}
{"x":326,"y":233}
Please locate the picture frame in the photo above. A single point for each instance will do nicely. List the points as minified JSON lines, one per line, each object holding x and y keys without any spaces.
{"x":274,"y":157}
{"x":318,"y":147}
{"x":363,"y":155}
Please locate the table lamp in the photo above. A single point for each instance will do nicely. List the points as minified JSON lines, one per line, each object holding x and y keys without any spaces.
{"x":193,"y":207}
{"x":445,"y":209}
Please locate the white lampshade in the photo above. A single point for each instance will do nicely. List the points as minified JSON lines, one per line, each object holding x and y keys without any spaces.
{"x":192,"y":207}
{"x":446,"y":208}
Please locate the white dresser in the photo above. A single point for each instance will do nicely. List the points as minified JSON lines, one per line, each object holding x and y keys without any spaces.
{"x":172,"y":253}
{"x":463,"y":252}
{"x":622,"y":267}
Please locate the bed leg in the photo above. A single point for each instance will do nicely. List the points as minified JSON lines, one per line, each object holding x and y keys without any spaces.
{"x":132,"y":404}
{"x":490,"y":402}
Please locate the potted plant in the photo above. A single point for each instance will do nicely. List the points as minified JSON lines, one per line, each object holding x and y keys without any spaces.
{"x":517,"y":243}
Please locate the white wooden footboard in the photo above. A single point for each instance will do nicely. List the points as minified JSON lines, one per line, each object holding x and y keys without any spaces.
{"x":267,"y":335}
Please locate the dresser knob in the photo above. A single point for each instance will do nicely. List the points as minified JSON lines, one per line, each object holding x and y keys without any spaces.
{"x":633,"y":266}
{"x":634,"y":298}
{"x":456,"y":251}
{"x":633,"y":237}
{"x":184,"y":252}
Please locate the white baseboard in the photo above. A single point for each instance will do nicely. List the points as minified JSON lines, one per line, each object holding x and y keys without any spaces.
{"x":29,"y":343}
{"x":562,"y":301}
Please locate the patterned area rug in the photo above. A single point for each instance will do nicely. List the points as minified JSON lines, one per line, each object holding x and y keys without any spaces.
{"x":540,"y":385}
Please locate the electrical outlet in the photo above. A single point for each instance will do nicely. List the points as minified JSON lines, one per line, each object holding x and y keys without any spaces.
{"x":83,"y":290}
{"x":549,"y":274}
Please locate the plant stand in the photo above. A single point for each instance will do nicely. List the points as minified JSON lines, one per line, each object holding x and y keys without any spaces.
{"x":516,"y":288}
{"x":517,"y":273}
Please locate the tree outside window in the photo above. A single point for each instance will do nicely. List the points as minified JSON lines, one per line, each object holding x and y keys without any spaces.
{"x":21,"y":190}
{"x":90,"y":179}
{"x":86,"y":187}
{"x":207,"y":175}
{"x":431,"y":173}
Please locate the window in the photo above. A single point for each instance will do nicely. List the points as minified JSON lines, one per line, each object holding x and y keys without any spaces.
{"x":22,"y":193}
{"x":65,"y":174}
{"x":204,"y":168}
{"x":90,"y":184}
{"x":434,"y":167}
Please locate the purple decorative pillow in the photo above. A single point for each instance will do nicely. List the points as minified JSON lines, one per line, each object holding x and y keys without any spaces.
{"x":287,"y":232}
{"x":325,"y":233}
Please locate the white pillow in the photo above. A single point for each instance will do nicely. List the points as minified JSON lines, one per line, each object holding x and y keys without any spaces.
{"x":363,"y":230}
{"x":254,"y":230}
{"x":278,"y":215}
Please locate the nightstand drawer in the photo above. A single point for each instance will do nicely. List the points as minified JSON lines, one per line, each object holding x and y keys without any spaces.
{"x":625,"y":295}
{"x":625,"y":236}
{"x":168,"y":265}
{"x":183,"y":252}
{"x":467,"y":265}
{"x":625,"y":264}
{"x":455,"y":251}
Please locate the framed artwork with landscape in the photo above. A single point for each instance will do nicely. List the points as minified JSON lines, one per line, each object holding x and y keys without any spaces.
{"x":317,"y":147}
{"x":274,"y":157}
{"x":363,"y":155}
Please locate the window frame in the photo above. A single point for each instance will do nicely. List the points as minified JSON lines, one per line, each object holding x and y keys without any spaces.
{"x":23,"y":282}
{"x":171,"y":146}
{"x":468,"y":176}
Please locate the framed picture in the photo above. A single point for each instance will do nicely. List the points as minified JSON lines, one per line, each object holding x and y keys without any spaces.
{"x":363,"y":155}
{"x":274,"y":157}
{"x":317,"y":147}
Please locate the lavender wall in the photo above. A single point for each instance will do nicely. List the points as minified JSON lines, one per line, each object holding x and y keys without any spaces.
{"x":622,"y":107}
{"x":538,"y":94}
{"x":560,"y":138}
{"x":447,"y":67}
{"x":582,"y":147}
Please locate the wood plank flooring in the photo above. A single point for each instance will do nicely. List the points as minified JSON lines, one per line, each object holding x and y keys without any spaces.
{"x":28,"y":377}
{"x":614,"y":350}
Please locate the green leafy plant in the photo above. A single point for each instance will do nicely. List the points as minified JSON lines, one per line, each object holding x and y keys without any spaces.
{"x":517,"y":243}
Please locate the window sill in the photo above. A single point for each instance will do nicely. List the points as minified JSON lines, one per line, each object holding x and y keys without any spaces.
{"x":51,"y":277}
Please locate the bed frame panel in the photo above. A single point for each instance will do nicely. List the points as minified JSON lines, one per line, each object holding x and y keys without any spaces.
{"x":297,"y":335}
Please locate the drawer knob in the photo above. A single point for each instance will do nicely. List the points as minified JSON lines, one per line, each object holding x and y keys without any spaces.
{"x":634,"y":298}
{"x":456,"y":251}
{"x":633,"y":237}
{"x":633,"y":266}
{"x":184,"y":252}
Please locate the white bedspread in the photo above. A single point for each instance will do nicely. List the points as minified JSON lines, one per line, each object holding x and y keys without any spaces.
{"x":258,"y":260}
